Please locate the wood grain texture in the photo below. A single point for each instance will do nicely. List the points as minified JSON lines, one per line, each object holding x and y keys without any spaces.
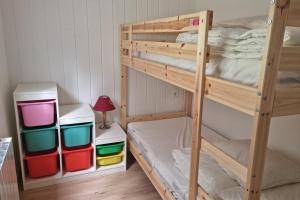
{"x":265,"y":99}
{"x":287,"y":101}
{"x":132,"y":185}
{"x":76,"y":44}
{"x":160,"y":187}
{"x":205,"y":22}
{"x":290,"y":58}
{"x":294,"y":13}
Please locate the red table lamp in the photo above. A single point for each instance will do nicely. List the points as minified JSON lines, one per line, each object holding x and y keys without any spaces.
{"x":103,"y":105}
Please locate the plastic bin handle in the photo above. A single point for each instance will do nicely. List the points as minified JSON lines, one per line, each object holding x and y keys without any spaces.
{"x":35,"y":103}
{"x":76,"y":125}
{"x":38,"y":129}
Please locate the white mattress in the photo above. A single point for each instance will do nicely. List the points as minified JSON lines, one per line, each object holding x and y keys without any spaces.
{"x":156,"y":140}
{"x":244,"y":71}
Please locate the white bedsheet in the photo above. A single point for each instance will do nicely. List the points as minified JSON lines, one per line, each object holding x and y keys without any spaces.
{"x":156,"y":140}
{"x":220,"y":185}
{"x":244,"y":71}
{"x":238,"y":45}
{"x":287,"y":192}
{"x":212,"y":177}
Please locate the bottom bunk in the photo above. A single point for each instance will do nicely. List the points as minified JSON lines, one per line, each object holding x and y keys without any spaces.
{"x":162,"y":148}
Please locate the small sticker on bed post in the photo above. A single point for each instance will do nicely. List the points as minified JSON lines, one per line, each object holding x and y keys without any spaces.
{"x":194,"y":22}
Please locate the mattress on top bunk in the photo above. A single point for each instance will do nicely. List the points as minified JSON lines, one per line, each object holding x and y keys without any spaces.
{"x":156,"y":139}
{"x":236,"y":48}
{"x":244,"y":71}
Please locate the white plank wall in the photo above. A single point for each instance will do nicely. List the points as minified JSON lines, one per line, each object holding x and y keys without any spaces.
{"x":76,"y":44}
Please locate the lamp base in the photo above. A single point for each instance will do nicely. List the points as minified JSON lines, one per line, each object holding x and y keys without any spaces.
{"x":104,"y":126}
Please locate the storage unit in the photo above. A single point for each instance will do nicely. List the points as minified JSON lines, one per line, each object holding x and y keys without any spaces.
{"x":42,"y":165}
{"x":109,"y":160}
{"x":77,"y":123}
{"x":109,"y":149}
{"x":36,"y":105}
{"x":73,"y":138}
{"x":37,"y":113}
{"x":37,"y":140}
{"x":76,"y":135}
{"x":79,"y":159}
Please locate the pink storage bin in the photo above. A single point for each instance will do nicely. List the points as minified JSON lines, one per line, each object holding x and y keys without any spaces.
{"x":37,"y":113}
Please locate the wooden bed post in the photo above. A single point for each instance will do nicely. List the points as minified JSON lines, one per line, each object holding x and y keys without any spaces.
{"x":265,"y":97}
{"x":205,"y":21}
{"x":124,"y":79}
{"x":188,"y":103}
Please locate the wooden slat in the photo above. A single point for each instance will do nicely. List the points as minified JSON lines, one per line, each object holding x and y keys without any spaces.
{"x":173,"y":75}
{"x":158,"y":116}
{"x":185,"y":29}
{"x":236,"y":96}
{"x":294,"y":13}
{"x":290,"y":58}
{"x":287,"y":101}
{"x":151,"y":174}
{"x":188,"y":103}
{"x":171,"y":24}
{"x":203,"y":194}
{"x":181,"y":78}
{"x":178,"y":50}
{"x":226,"y":161}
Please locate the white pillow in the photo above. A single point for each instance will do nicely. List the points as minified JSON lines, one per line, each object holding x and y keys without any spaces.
{"x":278,"y":169}
{"x":255,"y":22}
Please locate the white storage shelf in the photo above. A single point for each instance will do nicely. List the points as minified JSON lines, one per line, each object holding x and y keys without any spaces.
{"x":76,"y":114}
{"x":34,"y":92}
{"x":108,"y":136}
{"x":65,"y":115}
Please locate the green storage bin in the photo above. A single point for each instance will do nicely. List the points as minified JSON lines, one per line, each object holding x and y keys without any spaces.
{"x":77,"y":134}
{"x":37,"y":140}
{"x":109,"y":149}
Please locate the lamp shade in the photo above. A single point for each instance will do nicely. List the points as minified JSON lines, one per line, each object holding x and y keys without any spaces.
{"x":104,"y":104}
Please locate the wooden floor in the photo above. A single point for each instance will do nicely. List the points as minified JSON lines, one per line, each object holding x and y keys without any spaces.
{"x":131,"y":185}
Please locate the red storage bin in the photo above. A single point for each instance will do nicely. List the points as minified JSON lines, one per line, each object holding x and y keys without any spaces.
{"x":75,"y":160}
{"x":42,"y":165}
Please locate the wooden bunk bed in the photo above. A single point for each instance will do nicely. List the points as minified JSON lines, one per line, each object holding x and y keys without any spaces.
{"x":262,"y":102}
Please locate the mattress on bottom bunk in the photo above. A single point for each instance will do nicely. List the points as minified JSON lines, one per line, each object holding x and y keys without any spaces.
{"x":286,"y":192}
{"x":244,"y":71}
{"x":156,"y":139}
{"x":219,"y":184}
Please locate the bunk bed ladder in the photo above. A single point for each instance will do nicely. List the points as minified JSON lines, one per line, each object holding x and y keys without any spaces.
{"x":205,"y":20}
{"x":265,"y":97}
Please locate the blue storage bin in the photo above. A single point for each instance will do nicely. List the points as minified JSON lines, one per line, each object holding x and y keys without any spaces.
{"x":76,"y":135}
{"x":38,"y":140}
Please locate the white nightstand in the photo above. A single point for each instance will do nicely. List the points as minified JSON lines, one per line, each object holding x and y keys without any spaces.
{"x":108,"y":136}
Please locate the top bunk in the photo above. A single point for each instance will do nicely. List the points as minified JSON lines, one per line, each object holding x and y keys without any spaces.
{"x":176,"y":59}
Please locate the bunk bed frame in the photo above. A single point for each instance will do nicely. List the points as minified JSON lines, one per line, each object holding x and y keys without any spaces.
{"x":264,"y":102}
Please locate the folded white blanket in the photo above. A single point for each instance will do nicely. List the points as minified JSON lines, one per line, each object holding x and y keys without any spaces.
{"x":239,"y":42}
{"x":212,"y":178}
{"x":218,"y":184}
{"x":245,"y":71}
